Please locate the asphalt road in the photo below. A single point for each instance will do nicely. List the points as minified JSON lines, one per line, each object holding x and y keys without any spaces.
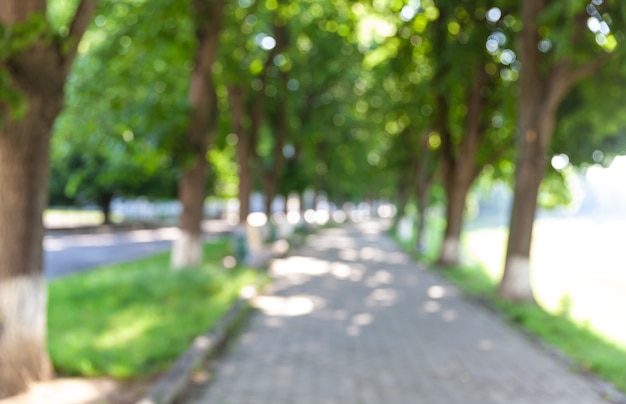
{"x":65,"y":254}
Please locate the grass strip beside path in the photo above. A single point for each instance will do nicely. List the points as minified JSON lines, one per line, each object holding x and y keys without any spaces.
{"x":133,"y":319}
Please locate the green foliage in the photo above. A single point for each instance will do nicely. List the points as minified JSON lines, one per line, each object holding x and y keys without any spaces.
{"x":14,"y":40}
{"x":17,"y":38}
{"x":134,"y":319}
{"x":126,"y":104}
{"x":12,"y":97}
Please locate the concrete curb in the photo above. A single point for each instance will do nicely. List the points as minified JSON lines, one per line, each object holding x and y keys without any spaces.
{"x":176,"y":380}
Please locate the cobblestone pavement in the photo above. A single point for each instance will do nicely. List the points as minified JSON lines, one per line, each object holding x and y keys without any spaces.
{"x":352,"y":320}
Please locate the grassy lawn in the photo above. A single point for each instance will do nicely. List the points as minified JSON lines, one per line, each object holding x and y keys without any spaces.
{"x":576,"y":282}
{"x":133,"y":319}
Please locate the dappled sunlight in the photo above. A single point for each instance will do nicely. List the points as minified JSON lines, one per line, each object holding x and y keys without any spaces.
{"x":66,"y":391}
{"x":380,"y":255}
{"x":299,"y":270}
{"x":436,"y":292}
{"x":291,"y":306}
{"x":384,"y":276}
{"x":431,"y":306}
{"x":328,"y":243}
{"x":381,"y":297}
{"x":352,"y":272}
{"x":299,"y":265}
{"x":370,"y":227}
{"x":362,"y":319}
{"x":485,"y":345}
{"x":134,"y":327}
{"x":349,"y":254}
{"x":357,"y":323}
{"x":379,"y":278}
{"x":449,"y":315}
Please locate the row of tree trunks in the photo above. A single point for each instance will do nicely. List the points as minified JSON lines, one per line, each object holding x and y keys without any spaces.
{"x":245,"y":107}
{"x":38,"y":74}
{"x":424,"y":175}
{"x":278,"y":122}
{"x":187,"y":249}
{"x":272,"y":176}
{"x":248,"y":115}
{"x":460,"y":167}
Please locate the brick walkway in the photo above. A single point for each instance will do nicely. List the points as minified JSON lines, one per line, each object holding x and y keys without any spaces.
{"x":352,"y":320}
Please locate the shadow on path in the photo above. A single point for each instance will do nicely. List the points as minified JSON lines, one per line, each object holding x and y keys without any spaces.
{"x":350,"y":319}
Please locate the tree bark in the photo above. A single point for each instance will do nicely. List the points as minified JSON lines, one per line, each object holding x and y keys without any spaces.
{"x":24,"y":147}
{"x":541,"y":92}
{"x":244,"y":149}
{"x":422,"y":204}
{"x":450,"y":253}
{"x":38,"y":74}
{"x":532,"y":143}
{"x":402,"y":200}
{"x":105,"y":206}
{"x":187,"y":249}
{"x":460,"y":170}
{"x":279,"y":123}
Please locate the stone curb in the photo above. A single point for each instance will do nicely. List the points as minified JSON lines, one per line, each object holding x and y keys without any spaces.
{"x":176,"y":380}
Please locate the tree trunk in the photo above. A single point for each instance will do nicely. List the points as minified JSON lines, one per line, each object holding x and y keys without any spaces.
{"x":272,"y":176}
{"x":402,"y":202}
{"x":278,"y":123}
{"x":187,"y":249}
{"x":422,"y":204}
{"x":541,"y":92}
{"x":38,"y":75}
{"x":24,"y":147}
{"x":515,"y":284}
{"x":460,"y":167}
{"x":450,"y":253}
{"x":105,"y":206}
{"x":246,"y":144}
{"x":245,"y":178}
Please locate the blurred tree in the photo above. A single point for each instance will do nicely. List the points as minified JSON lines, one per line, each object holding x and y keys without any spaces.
{"x":203,"y":121}
{"x":281,"y":78}
{"x":470,"y":93}
{"x":35,"y":60}
{"x":125,"y":144}
{"x":560,"y":44}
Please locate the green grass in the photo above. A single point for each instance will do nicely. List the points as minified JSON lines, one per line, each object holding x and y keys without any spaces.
{"x":134,"y":319}
{"x":577,"y":341}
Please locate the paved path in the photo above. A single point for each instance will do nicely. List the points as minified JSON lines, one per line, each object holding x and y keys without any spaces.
{"x":352,"y":320}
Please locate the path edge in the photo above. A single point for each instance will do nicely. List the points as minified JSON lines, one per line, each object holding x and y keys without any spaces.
{"x":176,"y":380}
